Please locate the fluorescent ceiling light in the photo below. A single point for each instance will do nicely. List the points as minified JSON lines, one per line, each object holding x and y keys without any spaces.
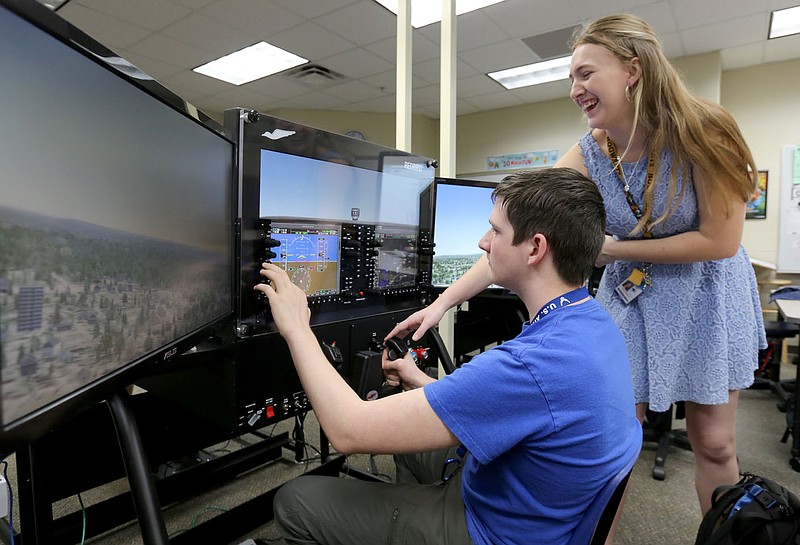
{"x":426,"y":12}
{"x":784,"y":22}
{"x":533,"y":74}
{"x":251,"y":63}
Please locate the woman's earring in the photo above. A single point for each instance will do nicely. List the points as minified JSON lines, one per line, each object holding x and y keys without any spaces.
{"x":628,"y":96}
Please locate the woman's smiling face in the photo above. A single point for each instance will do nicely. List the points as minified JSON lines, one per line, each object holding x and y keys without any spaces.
{"x":598,"y":80}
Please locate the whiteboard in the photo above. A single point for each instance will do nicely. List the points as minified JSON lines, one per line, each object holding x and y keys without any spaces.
{"x":789,"y":220}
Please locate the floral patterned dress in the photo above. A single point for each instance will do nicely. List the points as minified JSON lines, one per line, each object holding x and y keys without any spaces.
{"x":695,"y":332}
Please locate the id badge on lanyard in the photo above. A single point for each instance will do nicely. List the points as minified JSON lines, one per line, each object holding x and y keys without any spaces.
{"x":633,"y":286}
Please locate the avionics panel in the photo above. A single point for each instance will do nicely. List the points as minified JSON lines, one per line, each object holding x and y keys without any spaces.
{"x":349,"y":220}
{"x":116,"y":222}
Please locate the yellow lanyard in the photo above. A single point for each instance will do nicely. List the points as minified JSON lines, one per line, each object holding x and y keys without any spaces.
{"x":651,"y":174}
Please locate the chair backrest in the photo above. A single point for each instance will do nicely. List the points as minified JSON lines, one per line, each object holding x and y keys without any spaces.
{"x":599,"y":518}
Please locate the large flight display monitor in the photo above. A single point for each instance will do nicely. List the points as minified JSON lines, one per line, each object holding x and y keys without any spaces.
{"x":462,"y":210}
{"x":116,"y":222}
{"x":349,"y":220}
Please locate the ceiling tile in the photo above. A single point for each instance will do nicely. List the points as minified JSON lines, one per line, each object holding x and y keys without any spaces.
{"x":782,"y":49}
{"x":586,"y":11}
{"x":422,"y":48}
{"x":150,"y":14}
{"x":350,"y":22}
{"x":357,"y":63}
{"x":729,"y":33}
{"x":548,"y":91}
{"x":196,"y":84}
{"x":179,"y":53}
{"x":111,"y":32}
{"x":205,"y":33}
{"x":311,"y":41}
{"x":193,"y":4}
{"x":691,"y":13}
{"x":480,"y":84}
{"x":315,"y":8}
{"x":155,"y":69}
{"x":672,"y":45}
{"x":254,"y":17}
{"x":356,"y":91}
{"x":521,"y":18}
{"x":426,"y":96}
{"x":279,"y":86}
{"x":476,"y":29}
{"x":506,"y":54}
{"x":464,"y":107}
{"x":387,"y":81}
{"x":430,"y":71}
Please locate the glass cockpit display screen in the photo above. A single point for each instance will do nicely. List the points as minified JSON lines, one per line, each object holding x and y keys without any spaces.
{"x":309,"y":253}
{"x":397,"y":257}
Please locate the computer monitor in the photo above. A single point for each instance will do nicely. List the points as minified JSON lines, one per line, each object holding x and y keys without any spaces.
{"x":461,"y":218}
{"x":348,"y":219}
{"x":116,"y":222}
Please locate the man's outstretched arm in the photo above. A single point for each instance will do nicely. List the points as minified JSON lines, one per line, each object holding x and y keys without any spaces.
{"x":403,"y":422}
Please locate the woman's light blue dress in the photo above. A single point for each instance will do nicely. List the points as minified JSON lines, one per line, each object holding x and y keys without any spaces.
{"x":695,"y":332}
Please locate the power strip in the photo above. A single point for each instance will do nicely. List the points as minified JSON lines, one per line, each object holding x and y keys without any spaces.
{"x":3,"y":498}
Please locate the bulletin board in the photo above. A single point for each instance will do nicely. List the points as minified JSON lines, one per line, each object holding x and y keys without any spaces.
{"x":789,"y":228}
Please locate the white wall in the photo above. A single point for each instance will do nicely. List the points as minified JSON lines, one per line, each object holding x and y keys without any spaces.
{"x":764,"y":101}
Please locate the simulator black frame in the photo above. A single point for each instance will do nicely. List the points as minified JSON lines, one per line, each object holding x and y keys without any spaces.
{"x":348,"y":219}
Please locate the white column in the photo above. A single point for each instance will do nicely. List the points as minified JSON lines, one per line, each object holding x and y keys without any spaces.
{"x":404,"y":60}
{"x":447,"y":130}
{"x":447,"y":106}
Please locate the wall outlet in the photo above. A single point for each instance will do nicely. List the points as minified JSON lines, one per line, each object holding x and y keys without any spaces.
{"x":3,"y":498}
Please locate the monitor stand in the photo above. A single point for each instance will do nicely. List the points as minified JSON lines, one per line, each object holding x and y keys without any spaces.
{"x":140,"y":480}
{"x":38,"y":525}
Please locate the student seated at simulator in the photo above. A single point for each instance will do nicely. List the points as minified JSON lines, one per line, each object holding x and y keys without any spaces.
{"x":539,"y":423}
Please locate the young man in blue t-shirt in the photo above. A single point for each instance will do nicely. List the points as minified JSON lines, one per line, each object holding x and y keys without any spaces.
{"x":540,"y":423}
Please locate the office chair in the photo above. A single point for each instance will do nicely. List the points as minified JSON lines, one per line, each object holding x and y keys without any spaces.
{"x":768,"y":374}
{"x":599,"y":519}
{"x":657,"y":428}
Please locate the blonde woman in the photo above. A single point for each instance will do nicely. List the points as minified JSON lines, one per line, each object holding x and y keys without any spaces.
{"x":675,"y":174}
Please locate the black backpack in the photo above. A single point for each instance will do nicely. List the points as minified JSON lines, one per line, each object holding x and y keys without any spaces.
{"x":754,"y":511}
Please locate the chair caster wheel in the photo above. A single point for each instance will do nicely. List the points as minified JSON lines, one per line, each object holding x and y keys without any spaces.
{"x":659,"y":473}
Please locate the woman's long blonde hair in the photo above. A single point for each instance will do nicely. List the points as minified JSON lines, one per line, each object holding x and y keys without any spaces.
{"x":698,"y":132}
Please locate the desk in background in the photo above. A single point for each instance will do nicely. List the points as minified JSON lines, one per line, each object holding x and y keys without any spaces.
{"x":789,"y":310}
